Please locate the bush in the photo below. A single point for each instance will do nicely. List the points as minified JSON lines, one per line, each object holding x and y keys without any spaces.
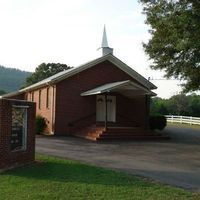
{"x":157,"y":122}
{"x":40,"y":124}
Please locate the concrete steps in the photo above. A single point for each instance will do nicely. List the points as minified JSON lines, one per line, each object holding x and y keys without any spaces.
{"x":98,"y":133}
{"x":91,"y":132}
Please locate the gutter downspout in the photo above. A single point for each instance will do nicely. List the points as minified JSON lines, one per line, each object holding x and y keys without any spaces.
{"x":52,"y":109}
{"x":147,"y":102}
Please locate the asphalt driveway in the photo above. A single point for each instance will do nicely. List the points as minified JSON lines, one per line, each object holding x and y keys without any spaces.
{"x":175,"y":161}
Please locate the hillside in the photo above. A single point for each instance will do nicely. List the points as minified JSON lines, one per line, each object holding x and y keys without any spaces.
{"x":12,"y":79}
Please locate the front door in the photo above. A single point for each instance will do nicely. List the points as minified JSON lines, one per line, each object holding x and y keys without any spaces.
{"x":101,"y":108}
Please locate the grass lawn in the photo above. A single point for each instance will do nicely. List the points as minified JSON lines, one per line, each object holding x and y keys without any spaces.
{"x":55,"y":178}
{"x":196,"y":127}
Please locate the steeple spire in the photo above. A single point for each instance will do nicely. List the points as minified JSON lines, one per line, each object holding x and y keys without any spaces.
{"x":104,"y":45}
{"x":104,"y":39}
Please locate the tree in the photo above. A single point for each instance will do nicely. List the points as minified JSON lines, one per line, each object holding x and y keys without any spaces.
{"x":175,"y":43}
{"x":194,"y":105}
{"x":158,"y":106}
{"x":12,"y":79}
{"x":44,"y":71}
{"x":178,"y":105}
{"x":2,"y":92}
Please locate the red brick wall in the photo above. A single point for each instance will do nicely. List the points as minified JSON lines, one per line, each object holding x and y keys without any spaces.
{"x":46,"y":112}
{"x":66,"y":106}
{"x":9,"y":159}
{"x":18,"y":96}
{"x":131,"y":109}
{"x":70,"y":106}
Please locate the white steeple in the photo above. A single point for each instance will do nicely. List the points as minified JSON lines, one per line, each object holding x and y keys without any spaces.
{"x":104,"y":45}
{"x":104,"y":39}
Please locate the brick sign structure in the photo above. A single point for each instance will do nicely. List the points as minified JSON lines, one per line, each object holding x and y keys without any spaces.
{"x":17,"y":133}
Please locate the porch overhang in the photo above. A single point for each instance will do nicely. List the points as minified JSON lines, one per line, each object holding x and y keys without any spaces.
{"x":127,"y":88}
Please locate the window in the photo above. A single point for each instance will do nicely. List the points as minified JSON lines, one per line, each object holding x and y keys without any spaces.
{"x":19,"y":128}
{"x":39,"y":103}
{"x":47,"y":98}
{"x":32,"y":96}
{"x":29,"y":96}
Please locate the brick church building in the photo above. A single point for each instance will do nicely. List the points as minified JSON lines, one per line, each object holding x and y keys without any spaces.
{"x":101,"y":99}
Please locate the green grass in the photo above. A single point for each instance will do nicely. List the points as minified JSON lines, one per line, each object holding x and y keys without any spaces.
{"x":192,"y":126}
{"x":55,"y":178}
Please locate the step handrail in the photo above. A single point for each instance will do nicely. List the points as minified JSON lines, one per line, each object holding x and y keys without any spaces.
{"x":127,"y":118}
{"x":81,"y":119}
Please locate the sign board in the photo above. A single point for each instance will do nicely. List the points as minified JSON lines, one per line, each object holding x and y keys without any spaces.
{"x":19,"y":128}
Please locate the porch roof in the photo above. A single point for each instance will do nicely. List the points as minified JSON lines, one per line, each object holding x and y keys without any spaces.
{"x":127,"y":88}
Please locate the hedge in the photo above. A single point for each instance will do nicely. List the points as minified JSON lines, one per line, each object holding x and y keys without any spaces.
{"x":157,"y":122}
{"x":40,"y":124}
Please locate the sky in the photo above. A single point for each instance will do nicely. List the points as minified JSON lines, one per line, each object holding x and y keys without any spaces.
{"x":70,"y":32}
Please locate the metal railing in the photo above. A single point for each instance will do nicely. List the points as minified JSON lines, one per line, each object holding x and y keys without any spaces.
{"x":183,"y":119}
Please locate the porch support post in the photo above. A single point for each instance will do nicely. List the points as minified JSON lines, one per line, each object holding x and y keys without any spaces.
{"x":106,"y":115}
{"x":147,"y":104}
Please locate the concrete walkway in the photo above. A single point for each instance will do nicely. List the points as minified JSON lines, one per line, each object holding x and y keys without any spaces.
{"x":175,"y":161}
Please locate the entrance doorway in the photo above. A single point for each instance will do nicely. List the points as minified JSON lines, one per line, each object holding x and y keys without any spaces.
{"x":101,"y":108}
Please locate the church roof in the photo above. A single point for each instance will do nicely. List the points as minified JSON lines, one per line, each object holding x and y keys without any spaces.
{"x":68,"y":73}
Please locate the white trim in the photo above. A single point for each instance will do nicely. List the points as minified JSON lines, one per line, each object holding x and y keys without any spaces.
{"x":19,"y":106}
{"x":116,"y":85}
{"x":105,"y":88}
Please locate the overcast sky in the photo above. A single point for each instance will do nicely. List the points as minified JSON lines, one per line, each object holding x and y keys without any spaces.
{"x":65,"y":31}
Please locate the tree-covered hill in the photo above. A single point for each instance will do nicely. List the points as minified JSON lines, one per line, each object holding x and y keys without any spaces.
{"x":12,"y":79}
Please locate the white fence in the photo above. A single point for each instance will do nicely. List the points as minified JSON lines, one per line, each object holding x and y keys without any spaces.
{"x":183,"y":119}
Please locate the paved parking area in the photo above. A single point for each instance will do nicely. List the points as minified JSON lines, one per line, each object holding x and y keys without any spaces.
{"x":175,"y":161}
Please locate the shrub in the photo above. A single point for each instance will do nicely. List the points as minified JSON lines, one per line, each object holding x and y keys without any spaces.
{"x":157,"y":122}
{"x":40,"y":124}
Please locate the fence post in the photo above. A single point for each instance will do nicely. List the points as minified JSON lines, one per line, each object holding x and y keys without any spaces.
{"x":172,"y":119}
{"x":190,"y":120}
{"x":181,"y":119}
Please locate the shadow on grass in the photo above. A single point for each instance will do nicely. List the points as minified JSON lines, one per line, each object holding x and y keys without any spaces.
{"x":55,"y":169}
